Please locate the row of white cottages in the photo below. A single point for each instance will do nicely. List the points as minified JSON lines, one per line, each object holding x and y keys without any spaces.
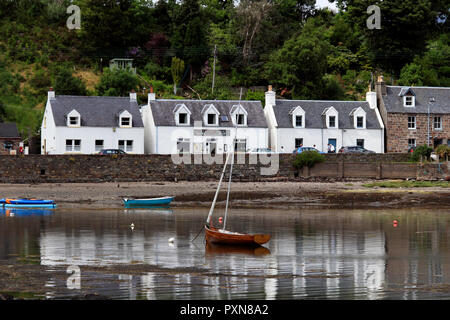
{"x":85,"y":125}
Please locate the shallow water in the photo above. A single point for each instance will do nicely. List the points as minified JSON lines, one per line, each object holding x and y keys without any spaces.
{"x":313,"y":254}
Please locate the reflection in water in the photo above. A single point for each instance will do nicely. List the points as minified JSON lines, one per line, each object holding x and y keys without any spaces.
{"x":312,"y":254}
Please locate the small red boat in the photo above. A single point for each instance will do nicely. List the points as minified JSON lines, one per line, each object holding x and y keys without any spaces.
{"x":220,"y":236}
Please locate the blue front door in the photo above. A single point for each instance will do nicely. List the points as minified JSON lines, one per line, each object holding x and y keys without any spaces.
{"x":332,"y":142}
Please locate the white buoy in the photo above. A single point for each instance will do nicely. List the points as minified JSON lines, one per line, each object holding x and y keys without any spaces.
{"x":171,"y":240}
{"x":132,"y":226}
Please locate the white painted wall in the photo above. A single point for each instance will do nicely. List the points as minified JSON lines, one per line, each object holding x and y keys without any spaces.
{"x":166,"y":138}
{"x":344,"y":137}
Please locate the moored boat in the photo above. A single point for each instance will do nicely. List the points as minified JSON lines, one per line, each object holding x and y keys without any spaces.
{"x":147,"y":202}
{"x":220,"y":236}
{"x":27,"y":203}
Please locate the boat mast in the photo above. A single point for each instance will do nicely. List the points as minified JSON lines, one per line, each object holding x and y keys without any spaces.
{"x":211,"y":210}
{"x":232,"y":161}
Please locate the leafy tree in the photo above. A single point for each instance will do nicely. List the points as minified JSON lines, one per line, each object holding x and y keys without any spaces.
{"x":2,"y":112}
{"x":117,"y":83}
{"x":65,"y":83}
{"x":301,"y":63}
{"x":177,"y":70}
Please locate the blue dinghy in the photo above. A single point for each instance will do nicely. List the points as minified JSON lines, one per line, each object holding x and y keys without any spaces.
{"x":27,"y":203}
{"x":147,"y":202}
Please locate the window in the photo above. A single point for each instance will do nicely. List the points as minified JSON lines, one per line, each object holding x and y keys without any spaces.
{"x":411,"y":122}
{"x":411,"y":143}
{"x":332,"y":121}
{"x":125,"y":122}
{"x":74,"y":121}
{"x":183,"y":145}
{"x":437,"y":123}
{"x":360,"y":143}
{"x":408,"y":101}
{"x":240,"y":119}
{"x":126,"y":145}
{"x":98,"y":145}
{"x":224,"y":118}
{"x":73,"y":145}
{"x":360,"y":122}
{"x":212,"y":118}
{"x":182,"y":118}
{"x":240,"y":145}
{"x":299,"y":121}
{"x":298,"y":142}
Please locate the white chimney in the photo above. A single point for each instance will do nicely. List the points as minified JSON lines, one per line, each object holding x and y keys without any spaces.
{"x":133,"y":96}
{"x":270,"y":97}
{"x":371,"y":98}
{"x":51,"y":94}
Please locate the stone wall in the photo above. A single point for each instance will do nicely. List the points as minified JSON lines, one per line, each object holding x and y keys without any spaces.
{"x":95,"y":168}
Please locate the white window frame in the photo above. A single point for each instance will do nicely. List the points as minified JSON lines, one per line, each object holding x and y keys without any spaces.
{"x":298,"y":111}
{"x":415,"y":123}
{"x":412,"y":145}
{"x":125,"y":114}
{"x":99,"y":147}
{"x":73,"y":146}
{"x":236,"y":111}
{"x":73,"y":115}
{"x":182,"y":109}
{"x":331,"y":112}
{"x":207,"y":110}
{"x":127,"y":146}
{"x":440,"y":123}
{"x":410,"y":99}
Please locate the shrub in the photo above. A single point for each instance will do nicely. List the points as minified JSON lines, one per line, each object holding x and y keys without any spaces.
{"x":423,"y":152}
{"x":308,"y":158}
{"x":443,"y":150}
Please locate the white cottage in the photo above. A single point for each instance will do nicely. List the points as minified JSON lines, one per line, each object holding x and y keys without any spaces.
{"x":318,"y":123}
{"x":85,"y":125}
{"x":203,"y":126}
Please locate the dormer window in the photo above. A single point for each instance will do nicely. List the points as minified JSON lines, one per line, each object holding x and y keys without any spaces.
{"x":239,"y":115}
{"x":359,"y":118}
{"x":331,"y":119}
{"x":210,"y":115}
{"x":409,"y":97}
{"x":125,"y":119}
{"x":298,"y":117}
{"x":73,"y":119}
{"x":182,"y":115}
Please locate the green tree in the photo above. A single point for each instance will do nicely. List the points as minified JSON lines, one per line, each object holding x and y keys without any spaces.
{"x":117,"y":83}
{"x":177,"y":70}
{"x":66,"y":84}
{"x":301,"y":63}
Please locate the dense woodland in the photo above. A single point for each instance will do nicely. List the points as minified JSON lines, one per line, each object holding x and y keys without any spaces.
{"x":179,"y":46}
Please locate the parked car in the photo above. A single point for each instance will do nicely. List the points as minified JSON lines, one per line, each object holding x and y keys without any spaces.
{"x":260,"y":150}
{"x":355,"y":149}
{"x":111,"y":151}
{"x":302,"y":149}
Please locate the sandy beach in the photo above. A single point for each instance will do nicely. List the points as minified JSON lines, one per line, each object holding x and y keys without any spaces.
{"x":349,"y":194}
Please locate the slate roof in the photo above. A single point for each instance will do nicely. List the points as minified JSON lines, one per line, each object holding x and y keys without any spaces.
{"x":95,"y":111}
{"x":163,"y":111}
{"x":9,"y":130}
{"x":314,"y":109}
{"x":393,"y":101}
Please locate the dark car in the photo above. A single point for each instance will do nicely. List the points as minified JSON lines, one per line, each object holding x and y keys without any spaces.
{"x":355,"y":149}
{"x":111,"y":151}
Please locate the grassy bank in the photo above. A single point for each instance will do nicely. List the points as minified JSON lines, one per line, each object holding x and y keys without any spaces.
{"x":408,"y":184}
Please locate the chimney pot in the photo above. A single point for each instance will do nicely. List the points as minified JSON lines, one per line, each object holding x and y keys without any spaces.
{"x":269,"y":87}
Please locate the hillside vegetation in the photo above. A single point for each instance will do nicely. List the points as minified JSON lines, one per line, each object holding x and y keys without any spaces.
{"x":305,"y":53}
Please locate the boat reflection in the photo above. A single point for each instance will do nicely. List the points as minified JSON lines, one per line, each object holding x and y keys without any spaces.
{"x":213,"y":249}
{"x":149,"y":209}
{"x":25,"y":212}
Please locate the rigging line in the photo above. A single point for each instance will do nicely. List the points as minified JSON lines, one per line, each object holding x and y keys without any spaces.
{"x":232,"y":161}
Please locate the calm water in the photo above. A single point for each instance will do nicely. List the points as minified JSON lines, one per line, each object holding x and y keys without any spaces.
{"x":313,"y":254}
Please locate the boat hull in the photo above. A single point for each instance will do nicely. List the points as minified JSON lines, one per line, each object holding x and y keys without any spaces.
{"x":217,"y":236}
{"x":43,"y":206}
{"x":147,"y":202}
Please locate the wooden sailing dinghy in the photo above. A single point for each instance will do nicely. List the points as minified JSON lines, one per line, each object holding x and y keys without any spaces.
{"x":223,"y":236}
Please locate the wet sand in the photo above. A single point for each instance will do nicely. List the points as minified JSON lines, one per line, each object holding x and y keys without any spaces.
{"x":349,"y":194}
